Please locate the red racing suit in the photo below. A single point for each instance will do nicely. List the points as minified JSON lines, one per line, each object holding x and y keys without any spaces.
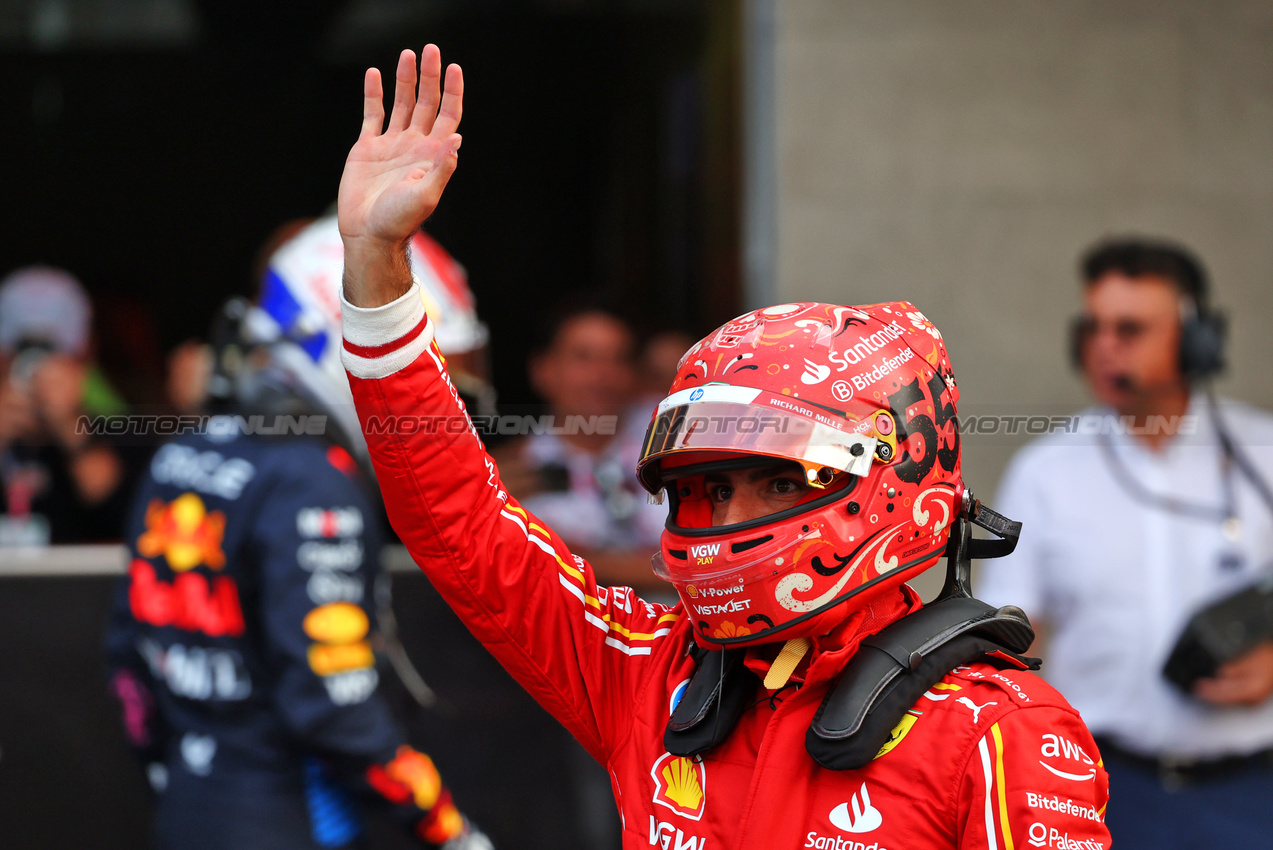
{"x":984,"y":759}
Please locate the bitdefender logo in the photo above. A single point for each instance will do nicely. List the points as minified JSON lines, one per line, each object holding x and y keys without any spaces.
{"x":1054,"y":803}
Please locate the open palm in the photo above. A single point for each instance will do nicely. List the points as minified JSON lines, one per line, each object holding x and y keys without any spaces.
{"x":394,"y":176}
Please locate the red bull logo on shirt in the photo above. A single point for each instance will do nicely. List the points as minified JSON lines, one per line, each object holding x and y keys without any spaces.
{"x":189,"y":602}
{"x":184,"y":532}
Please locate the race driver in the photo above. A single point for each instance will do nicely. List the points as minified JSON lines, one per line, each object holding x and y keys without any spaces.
{"x":809,"y":454}
{"x":242,"y":642}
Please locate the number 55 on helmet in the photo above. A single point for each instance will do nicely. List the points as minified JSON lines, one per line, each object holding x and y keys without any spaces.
{"x":859,"y":404}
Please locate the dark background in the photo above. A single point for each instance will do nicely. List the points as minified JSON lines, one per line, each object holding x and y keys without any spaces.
{"x":600,"y":154}
{"x":68,"y":779}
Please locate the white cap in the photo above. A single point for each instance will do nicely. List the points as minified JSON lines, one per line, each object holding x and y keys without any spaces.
{"x":46,"y":304}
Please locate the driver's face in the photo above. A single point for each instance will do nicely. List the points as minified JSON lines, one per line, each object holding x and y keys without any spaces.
{"x":743,"y":494}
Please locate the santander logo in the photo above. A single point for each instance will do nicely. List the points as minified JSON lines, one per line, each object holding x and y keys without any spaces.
{"x":814,"y":373}
{"x":863,"y":818}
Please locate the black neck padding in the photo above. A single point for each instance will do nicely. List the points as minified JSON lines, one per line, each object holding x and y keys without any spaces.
{"x":885,"y":677}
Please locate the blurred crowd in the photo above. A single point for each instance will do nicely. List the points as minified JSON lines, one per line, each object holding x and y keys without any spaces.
{"x":1133,"y":536}
{"x":68,"y":481}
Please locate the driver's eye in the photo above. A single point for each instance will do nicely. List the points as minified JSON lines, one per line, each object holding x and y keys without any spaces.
{"x":721,"y":493}
{"x":785,"y":486}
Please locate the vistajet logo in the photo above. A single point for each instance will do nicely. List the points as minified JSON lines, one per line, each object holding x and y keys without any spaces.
{"x":733,"y":606}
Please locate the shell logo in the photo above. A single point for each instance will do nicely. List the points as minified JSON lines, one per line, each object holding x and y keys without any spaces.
{"x":692,"y":591}
{"x":680,"y":784}
{"x":184,"y":532}
{"x":336,"y":623}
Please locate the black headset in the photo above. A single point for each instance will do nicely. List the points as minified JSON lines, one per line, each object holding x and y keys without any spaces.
{"x":1203,"y":334}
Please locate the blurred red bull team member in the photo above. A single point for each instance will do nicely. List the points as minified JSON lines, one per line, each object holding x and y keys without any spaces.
{"x":810,"y":455}
{"x":241,"y":644}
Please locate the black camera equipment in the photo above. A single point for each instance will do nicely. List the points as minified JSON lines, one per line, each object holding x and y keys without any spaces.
{"x":1221,"y":631}
{"x":1231,"y":626}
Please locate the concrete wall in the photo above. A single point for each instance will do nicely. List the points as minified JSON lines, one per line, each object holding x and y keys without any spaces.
{"x":960,"y":154}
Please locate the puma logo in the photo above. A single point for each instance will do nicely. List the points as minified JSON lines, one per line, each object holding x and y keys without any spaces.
{"x":976,"y":709}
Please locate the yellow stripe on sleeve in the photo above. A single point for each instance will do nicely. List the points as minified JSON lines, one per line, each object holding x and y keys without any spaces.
{"x":1003,"y":792}
{"x":634,"y":635}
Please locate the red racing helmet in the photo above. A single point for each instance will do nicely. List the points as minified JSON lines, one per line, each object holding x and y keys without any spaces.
{"x":861,"y":400}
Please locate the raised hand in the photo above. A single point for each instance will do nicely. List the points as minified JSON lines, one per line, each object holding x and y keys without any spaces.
{"x":394,"y":176}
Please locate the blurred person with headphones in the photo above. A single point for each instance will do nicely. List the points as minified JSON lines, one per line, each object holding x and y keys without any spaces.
{"x":1147,"y":557}
{"x":244,"y":640}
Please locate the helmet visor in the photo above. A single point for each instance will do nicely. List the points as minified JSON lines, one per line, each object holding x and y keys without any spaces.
{"x":744,"y":420}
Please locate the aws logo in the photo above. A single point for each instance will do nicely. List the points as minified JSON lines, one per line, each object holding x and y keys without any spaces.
{"x":1059,"y":747}
{"x":680,"y":784}
{"x":184,"y":532}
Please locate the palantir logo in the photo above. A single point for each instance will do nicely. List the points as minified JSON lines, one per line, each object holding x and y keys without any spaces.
{"x":864,"y":816}
{"x":1038,"y":834}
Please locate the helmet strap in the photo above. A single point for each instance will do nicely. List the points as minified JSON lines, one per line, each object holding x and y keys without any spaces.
{"x":963,"y":547}
{"x":785,"y":664}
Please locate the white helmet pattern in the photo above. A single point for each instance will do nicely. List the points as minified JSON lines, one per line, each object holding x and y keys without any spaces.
{"x":299,"y":311}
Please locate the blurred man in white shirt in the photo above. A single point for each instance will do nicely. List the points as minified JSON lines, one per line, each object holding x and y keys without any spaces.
{"x":1135,"y":518}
